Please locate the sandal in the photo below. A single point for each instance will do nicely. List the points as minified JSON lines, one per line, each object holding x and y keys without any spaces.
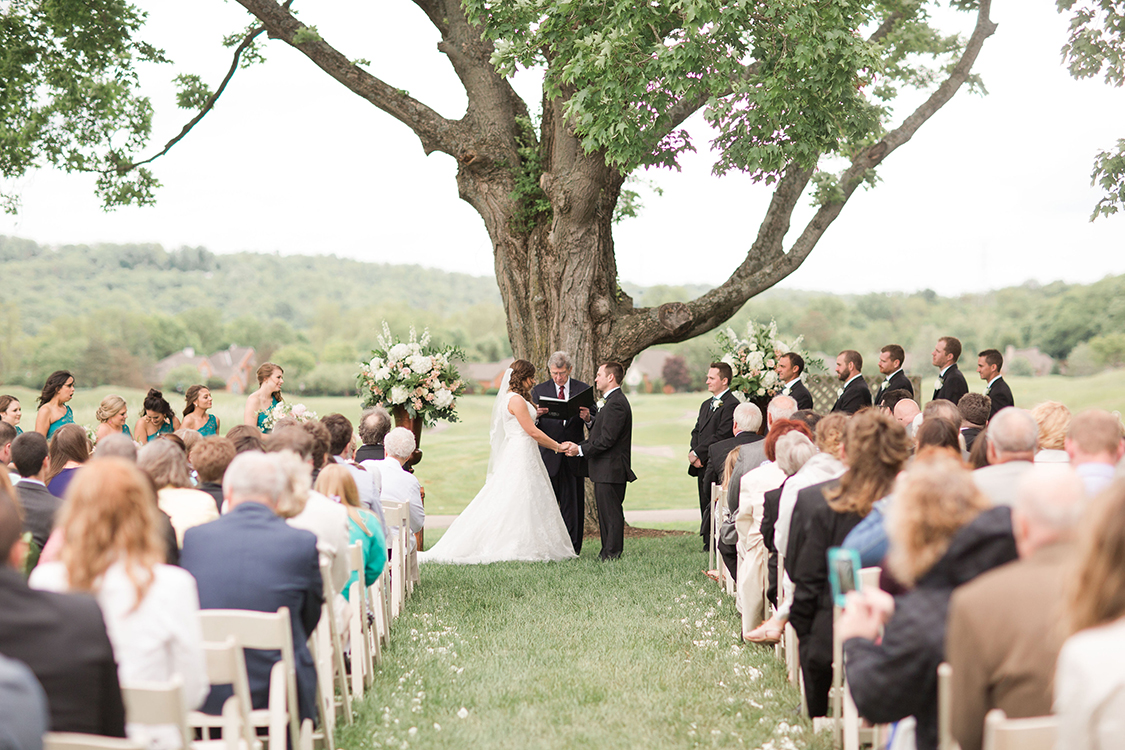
{"x":712,"y":574}
{"x":766,"y":633}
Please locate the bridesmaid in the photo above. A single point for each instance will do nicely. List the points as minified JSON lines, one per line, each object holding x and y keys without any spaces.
{"x":268,"y":395}
{"x":198,"y":398}
{"x":10,"y":412}
{"x":158,"y":418}
{"x":113,"y":414}
{"x":53,"y":410}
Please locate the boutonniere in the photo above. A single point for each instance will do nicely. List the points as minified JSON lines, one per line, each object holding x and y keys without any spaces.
{"x":600,"y":403}
{"x":716,"y":402}
{"x":839,"y":392}
{"x":987,"y":388}
{"x":938,"y":384}
{"x":785,"y":390}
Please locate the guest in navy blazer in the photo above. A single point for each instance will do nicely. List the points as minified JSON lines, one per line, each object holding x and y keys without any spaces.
{"x":252,"y":559}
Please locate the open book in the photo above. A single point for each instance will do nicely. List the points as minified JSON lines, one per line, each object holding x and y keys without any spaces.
{"x":557,"y":408}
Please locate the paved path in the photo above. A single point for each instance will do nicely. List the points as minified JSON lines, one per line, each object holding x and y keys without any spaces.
{"x":632,"y":517}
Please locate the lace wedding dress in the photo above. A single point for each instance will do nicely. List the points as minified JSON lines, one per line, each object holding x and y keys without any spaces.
{"x":515,"y":515}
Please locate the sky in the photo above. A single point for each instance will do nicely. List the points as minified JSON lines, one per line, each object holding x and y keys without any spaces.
{"x":993,"y":191}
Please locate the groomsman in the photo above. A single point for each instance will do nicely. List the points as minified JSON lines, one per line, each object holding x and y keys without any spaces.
{"x":891,"y":358}
{"x":566,"y":473}
{"x":790,"y":368}
{"x":989,"y":364}
{"x":855,"y":394}
{"x":950,"y":383}
{"x":608,"y":453}
{"x":714,"y":423}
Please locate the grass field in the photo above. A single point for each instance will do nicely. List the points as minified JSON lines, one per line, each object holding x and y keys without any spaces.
{"x":456,"y":455}
{"x":639,"y":652}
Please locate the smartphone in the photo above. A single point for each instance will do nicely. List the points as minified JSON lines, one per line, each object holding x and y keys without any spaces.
{"x":843,"y":573}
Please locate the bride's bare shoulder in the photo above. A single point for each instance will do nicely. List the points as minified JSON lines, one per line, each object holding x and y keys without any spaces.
{"x":515,"y":401}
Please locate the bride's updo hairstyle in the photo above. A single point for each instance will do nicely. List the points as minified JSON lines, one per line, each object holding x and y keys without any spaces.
{"x":521,"y":371}
{"x":264,"y":373}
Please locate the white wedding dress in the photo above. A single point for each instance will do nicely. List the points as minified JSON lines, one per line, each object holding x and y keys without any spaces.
{"x":515,"y":515}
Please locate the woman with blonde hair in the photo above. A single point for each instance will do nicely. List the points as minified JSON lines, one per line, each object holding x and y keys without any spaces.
{"x":112,"y":413}
{"x":1053,"y":419}
{"x":337,"y":483}
{"x":943,"y":533}
{"x":258,"y":404}
{"x":198,"y":400}
{"x":69,"y":449}
{"x":1090,"y":676}
{"x":113,"y":550}
{"x":166,"y":465}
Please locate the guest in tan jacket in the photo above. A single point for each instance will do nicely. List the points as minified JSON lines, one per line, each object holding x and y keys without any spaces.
{"x":1006,"y":627}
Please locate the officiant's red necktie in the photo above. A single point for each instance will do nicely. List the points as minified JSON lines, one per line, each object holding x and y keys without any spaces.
{"x":562,"y":396}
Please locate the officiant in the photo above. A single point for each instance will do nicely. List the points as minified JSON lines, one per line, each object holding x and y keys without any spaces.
{"x":566,"y":472}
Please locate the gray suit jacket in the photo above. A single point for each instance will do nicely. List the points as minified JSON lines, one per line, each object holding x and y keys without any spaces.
{"x":39,"y":507}
{"x":750,"y":457}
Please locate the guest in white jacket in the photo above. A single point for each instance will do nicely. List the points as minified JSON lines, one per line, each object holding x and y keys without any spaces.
{"x":114,"y":550}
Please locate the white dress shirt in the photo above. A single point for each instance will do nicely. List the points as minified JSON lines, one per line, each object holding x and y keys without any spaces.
{"x":187,"y":508}
{"x":329,"y":521}
{"x":400,"y":486}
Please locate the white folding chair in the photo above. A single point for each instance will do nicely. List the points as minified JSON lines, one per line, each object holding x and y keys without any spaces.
{"x":268,"y":631}
{"x":379,"y":596}
{"x":358,"y":631}
{"x":162,"y":703}
{"x":945,"y":739}
{"x":226,"y":665}
{"x":1035,"y":733}
{"x":716,"y":520}
{"x":328,"y":651}
{"x":76,"y":741}
{"x":398,"y":516}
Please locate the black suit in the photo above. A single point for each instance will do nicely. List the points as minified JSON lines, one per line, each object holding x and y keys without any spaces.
{"x":856,"y":396}
{"x":801,"y":395}
{"x":608,"y":461}
{"x":898,"y":381}
{"x":953,"y":385}
{"x":369,"y":453}
{"x":1001,"y":396}
{"x":62,"y":639}
{"x":566,"y":472}
{"x":39,"y":508}
{"x":711,"y":426}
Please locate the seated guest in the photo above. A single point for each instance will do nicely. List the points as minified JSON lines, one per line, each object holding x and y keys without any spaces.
{"x":374,"y":424}
{"x":875,"y":449}
{"x":937,"y":432}
{"x":747,"y":420}
{"x":112,"y":550}
{"x":1003,"y":637}
{"x":278,"y":567}
{"x":943,"y":534}
{"x":399,"y":485}
{"x":1094,"y":445}
{"x":974,"y":409}
{"x":167,"y":467}
{"x":369,"y":484}
{"x":906,"y":413}
{"x":1012,"y":436}
{"x":1090,"y":674}
{"x":190,"y":439}
{"x":336,"y":483}
{"x":892,"y":397}
{"x":752,"y":456}
{"x":120,"y":446}
{"x":1053,"y":419}
{"x":322,"y":443}
{"x":245,"y":438}
{"x":112,"y":415}
{"x":29,"y":454}
{"x":211,"y":457}
{"x":157,"y":418}
{"x":60,"y":637}
{"x":54,"y":411}
{"x":823,"y":466}
{"x":305,"y":508}
{"x":726,"y":544}
{"x":808,"y":418}
{"x":978,"y":455}
{"x":942,"y":408}
{"x":7,"y":435}
{"x":69,"y":449}
{"x":23,"y":707}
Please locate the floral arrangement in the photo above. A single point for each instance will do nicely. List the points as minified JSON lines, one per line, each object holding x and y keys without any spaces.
{"x":283,"y":409}
{"x":753,"y":358}
{"x":91,"y":434}
{"x":413,"y":374}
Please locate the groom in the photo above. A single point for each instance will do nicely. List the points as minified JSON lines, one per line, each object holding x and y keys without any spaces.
{"x":608,"y":457}
{"x":566,"y":473}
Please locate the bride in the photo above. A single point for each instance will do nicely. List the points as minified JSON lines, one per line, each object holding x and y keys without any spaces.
{"x":515,"y":515}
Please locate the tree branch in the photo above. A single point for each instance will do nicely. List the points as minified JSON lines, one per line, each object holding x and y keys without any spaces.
{"x":436,"y":132}
{"x":765,"y":263}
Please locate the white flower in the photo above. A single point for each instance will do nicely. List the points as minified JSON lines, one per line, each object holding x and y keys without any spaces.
{"x":755,"y":360}
{"x":382,"y":373}
{"x":443,"y":398}
{"x":761,"y":391}
{"x":399,"y":395}
{"x":938,"y":384}
{"x":420,"y":364}
{"x":375,"y":363}
{"x":463,"y":713}
{"x":299,"y":410}
{"x":729,"y":359}
{"x":398,"y":352}
{"x":415,"y":348}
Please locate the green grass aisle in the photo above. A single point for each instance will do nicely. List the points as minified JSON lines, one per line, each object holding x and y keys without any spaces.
{"x":642,"y":652}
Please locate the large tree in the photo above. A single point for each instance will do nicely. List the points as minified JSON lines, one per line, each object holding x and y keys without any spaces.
{"x":798,"y":92}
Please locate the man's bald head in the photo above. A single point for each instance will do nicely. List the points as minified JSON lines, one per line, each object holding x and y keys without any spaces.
{"x":905,"y":411}
{"x":1048,"y":507}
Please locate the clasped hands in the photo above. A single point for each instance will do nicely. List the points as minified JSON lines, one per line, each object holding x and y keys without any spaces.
{"x":568,"y":448}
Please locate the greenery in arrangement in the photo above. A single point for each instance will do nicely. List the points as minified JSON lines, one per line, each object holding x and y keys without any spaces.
{"x":413,"y":374}
{"x":753,"y":358}
{"x":642,"y":652}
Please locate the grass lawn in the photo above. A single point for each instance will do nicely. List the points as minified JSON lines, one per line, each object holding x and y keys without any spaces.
{"x":640,"y":652}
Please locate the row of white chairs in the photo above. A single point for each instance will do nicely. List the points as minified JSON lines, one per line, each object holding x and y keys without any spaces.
{"x":227,"y":632}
